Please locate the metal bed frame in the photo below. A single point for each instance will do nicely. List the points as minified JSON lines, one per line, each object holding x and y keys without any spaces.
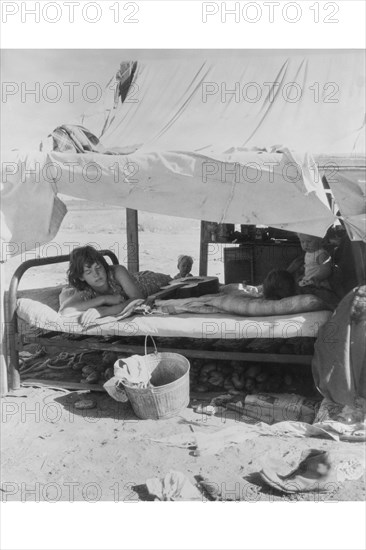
{"x":16,"y":340}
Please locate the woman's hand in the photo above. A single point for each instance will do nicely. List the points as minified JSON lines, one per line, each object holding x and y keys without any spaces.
{"x":112,"y":299}
{"x":89,"y":316}
{"x":306,"y":282}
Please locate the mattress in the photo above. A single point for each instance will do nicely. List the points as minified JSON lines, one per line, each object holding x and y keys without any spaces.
{"x":39,"y":309}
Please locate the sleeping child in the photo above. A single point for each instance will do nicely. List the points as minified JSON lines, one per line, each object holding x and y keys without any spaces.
{"x":278,"y":284}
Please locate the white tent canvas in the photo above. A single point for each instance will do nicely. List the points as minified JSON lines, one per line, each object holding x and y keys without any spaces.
{"x":226,"y":137}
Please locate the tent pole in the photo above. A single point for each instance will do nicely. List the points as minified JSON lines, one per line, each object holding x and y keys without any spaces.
{"x":203,"y":251}
{"x":359,"y":255}
{"x":132,"y":240}
{"x":4,"y":388}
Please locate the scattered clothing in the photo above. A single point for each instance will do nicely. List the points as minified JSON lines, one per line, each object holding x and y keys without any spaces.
{"x":173,"y":486}
{"x":314,"y":472}
{"x":233,"y":489}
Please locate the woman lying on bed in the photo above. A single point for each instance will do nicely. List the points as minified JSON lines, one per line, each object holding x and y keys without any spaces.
{"x":96,"y":288}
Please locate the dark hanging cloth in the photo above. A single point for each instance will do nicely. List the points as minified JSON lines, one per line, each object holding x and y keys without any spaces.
{"x":339,"y":362}
{"x":125,"y":77}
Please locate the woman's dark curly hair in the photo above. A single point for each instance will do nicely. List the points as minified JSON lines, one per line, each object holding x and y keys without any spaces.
{"x":79,"y":258}
{"x":279,"y":284}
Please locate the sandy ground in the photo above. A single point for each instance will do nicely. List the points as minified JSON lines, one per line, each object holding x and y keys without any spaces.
{"x":106,"y":453}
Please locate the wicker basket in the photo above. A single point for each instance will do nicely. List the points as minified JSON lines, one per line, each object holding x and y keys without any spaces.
{"x":169,"y":390}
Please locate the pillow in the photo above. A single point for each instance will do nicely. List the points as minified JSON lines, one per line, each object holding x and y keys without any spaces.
{"x":37,"y":314}
{"x":47,"y":296}
{"x":150,"y":282}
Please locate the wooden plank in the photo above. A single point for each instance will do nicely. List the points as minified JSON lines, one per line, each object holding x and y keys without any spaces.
{"x":359,"y":255}
{"x":203,"y":265}
{"x":344,"y":162}
{"x":194,"y":353}
{"x":205,"y":396}
{"x":3,"y":340}
{"x":63,"y":384}
{"x":132,"y":240}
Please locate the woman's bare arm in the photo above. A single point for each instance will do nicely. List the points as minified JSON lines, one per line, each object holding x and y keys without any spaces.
{"x":75,"y":304}
{"x":90,"y":315}
{"x":324,"y":271}
{"x":127,"y":282}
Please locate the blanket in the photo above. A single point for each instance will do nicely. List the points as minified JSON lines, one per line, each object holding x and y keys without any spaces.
{"x":236,"y":304}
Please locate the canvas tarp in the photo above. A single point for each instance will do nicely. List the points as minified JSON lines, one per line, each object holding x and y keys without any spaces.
{"x":349,"y":189}
{"x":197,"y":122}
{"x":211,"y":101}
{"x":173,"y":183}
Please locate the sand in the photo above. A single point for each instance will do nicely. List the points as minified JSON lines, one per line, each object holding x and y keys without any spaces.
{"x":106,"y":453}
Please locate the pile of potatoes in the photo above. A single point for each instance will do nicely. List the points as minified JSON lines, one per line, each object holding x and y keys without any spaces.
{"x":239,"y":377}
{"x":93,"y":367}
{"x":293,"y":346}
{"x":100,"y":368}
{"x":235,"y":377}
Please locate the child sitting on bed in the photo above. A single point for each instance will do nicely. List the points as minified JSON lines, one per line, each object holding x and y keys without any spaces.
{"x":184,"y":265}
{"x":317,"y":262}
{"x":316,"y":271}
{"x":96,"y":288}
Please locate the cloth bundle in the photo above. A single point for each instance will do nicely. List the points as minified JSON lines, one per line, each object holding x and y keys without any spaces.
{"x":135,"y":371}
{"x":77,"y":139}
{"x":173,"y":486}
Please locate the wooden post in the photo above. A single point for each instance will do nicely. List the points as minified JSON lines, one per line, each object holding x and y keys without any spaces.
{"x":359,"y":256}
{"x":203,"y":251}
{"x":4,"y":388}
{"x":132,"y":240}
